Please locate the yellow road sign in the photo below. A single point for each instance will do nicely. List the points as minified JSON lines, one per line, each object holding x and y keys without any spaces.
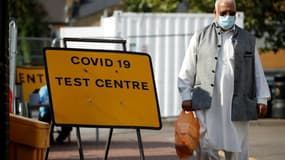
{"x":31,"y":78}
{"x":102,"y":88}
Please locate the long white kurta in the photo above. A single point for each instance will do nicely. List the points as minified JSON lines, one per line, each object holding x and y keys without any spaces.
{"x":217,"y":129}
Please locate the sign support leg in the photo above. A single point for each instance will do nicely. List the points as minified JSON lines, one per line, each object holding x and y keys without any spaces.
{"x":140,"y":144}
{"x":108,"y":144}
{"x":79,"y":143}
{"x":97,"y":135}
{"x":50,"y":132}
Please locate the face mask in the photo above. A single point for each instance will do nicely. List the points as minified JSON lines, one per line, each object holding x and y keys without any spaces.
{"x":226,"y":22}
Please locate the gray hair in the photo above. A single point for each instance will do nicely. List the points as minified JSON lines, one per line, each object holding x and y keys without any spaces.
{"x":218,"y":1}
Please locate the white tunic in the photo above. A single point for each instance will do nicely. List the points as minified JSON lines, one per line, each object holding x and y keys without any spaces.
{"x":217,"y":128}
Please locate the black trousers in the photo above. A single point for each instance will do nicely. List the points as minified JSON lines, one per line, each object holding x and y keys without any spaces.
{"x":45,"y":116}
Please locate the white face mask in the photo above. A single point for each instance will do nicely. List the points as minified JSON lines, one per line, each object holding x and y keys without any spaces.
{"x":226,"y":22}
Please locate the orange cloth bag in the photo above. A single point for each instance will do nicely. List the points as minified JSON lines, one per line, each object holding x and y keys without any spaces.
{"x":186,"y":134}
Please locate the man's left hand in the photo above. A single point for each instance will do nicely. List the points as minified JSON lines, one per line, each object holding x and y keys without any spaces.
{"x":261,"y":110}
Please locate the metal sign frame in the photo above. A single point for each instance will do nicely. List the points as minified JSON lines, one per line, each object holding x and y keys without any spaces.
{"x":123,"y":42}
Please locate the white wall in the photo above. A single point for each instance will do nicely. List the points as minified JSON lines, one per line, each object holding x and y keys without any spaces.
{"x":164,"y":36}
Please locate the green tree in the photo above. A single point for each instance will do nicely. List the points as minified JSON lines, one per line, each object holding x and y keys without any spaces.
{"x":150,"y":5}
{"x":201,"y":6}
{"x":29,"y":16}
{"x":264,"y":18}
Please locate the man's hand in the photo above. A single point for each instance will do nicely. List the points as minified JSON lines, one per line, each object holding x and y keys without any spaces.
{"x":261,"y":110}
{"x":187,"y":105}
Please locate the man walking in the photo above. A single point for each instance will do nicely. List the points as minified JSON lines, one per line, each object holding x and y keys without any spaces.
{"x":222,"y":80}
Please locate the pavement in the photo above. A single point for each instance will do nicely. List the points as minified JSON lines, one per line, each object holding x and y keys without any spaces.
{"x":266,"y":142}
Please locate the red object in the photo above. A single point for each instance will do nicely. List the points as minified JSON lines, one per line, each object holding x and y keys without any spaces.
{"x":10,"y":101}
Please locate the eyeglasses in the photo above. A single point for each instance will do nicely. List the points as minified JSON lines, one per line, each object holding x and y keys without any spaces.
{"x":231,"y":13}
